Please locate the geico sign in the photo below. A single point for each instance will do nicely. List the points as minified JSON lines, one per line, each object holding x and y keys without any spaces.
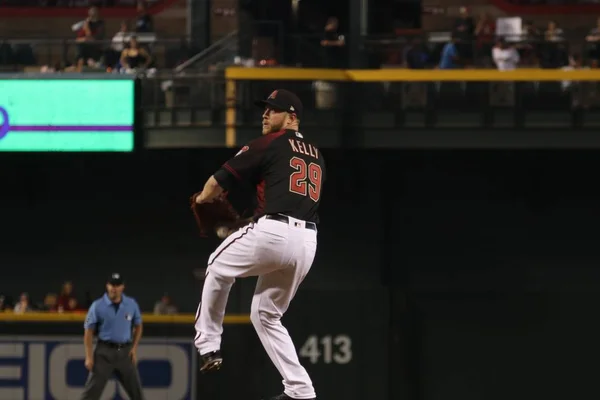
{"x":50,"y":368}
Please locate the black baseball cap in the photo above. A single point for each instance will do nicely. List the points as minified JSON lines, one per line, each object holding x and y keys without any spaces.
{"x":116,"y":279}
{"x":282,"y":100}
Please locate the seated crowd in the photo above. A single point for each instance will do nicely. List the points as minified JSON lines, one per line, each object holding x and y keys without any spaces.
{"x":469,"y":43}
{"x":92,"y":49}
{"x":124,"y":54}
{"x":477,"y":44}
{"x":66,"y":301}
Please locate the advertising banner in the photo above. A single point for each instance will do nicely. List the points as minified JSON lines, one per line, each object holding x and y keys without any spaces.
{"x":52,"y":368}
{"x":74,"y":115}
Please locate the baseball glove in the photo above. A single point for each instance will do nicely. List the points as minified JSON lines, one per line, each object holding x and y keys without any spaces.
{"x":217,"y":217}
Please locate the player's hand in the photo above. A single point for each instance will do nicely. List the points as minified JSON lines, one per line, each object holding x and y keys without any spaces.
{"x":200,"y":199}
{"x":89,"y":363}
{"x":133,"y":356}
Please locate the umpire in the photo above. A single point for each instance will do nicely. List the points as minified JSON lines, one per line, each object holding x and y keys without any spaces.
{"x":117,"y":321}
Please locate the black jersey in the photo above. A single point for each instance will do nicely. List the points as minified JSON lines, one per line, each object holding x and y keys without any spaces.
{"x":287,"y":170}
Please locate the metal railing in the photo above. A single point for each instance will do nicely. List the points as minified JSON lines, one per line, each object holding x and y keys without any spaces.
{"x":293,"y":50}
{"x":15,"y":54}
{"x":306,"y":50}
{"x":391,"y":51}
{"x":190,"y":100}
{"x":200,"y":100}
{"x":202,"y":90}
{"x":70,"y":4}
{"x":223,"y":50}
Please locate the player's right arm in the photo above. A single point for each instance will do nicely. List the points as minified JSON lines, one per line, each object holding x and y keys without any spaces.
{"x":241,"y":167}
{"x":211,"y":190}
{"x":244,"y":166}
{"x":89,"y":327}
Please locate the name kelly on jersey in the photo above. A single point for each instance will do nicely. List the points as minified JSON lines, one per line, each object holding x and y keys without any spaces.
{"x":303,"y":148}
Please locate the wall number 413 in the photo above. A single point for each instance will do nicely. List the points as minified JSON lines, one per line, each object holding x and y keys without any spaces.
{"x":336,"y":349}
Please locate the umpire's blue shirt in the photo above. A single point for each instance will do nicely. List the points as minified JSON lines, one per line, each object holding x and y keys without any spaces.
{"x":113,"y":322}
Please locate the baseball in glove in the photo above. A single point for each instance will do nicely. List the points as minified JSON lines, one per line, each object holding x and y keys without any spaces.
{"x":217,"y":217}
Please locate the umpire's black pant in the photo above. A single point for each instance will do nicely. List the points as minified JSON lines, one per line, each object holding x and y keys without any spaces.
{"x":108,"y":359}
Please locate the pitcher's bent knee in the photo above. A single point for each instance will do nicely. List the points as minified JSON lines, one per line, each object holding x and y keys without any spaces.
{"x":261,"y":317}
{"x":219,"y":277}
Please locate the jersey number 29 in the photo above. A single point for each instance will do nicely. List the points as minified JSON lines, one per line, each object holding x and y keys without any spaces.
{"x":306,"y":180}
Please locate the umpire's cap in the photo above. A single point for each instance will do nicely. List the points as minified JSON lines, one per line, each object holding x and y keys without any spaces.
{"x":116,"y":279}
{"x":283,"y":100}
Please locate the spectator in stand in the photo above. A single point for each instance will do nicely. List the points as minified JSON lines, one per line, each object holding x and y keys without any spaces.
{"x":66,"y":294}
{"x":593,"y":39}
{"x":416,"y":55}
{"x":74,"y":306}
{"x":165,"y":306}
{"x":144,"y":21}
{"x":505,"y":56}
{"x":554,"y":33}
{"x":93,"y":27}
{"x":91,"y":31}
{"x":50,"y":303}
{"x":23,"y":305}
{"x":134,"y":57}
{"x":485,"y":32}
{"x":553,"y":53}
{"x":119,"y":42}
{"x":450,"y":58}
{"x":464,"y":33}
{"x":529,"y":44}
{"x":333,"y":44}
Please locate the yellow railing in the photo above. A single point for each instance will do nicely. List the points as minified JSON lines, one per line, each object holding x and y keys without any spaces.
{"x":409,"y":75}
{"x":146,"y":318}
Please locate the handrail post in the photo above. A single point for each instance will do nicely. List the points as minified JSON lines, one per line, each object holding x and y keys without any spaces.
{"x":65,"y":52}
{"x":230,"y":113}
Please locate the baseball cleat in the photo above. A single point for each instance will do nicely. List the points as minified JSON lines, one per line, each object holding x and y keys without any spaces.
{"x":211,"y":361}
{"x":284,"y":396}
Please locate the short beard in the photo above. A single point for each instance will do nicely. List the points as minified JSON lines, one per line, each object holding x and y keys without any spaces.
{"x":276,"y":128}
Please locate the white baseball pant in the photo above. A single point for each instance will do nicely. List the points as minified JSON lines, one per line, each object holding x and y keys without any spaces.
{"x":280,"y":254}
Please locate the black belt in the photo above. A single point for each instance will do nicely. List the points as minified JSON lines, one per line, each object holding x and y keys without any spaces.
{"x":284,"y":218}
{"x":114,"y":345}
